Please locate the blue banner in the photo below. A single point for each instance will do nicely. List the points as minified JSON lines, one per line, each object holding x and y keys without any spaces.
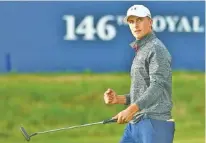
{"x":78,"y":36}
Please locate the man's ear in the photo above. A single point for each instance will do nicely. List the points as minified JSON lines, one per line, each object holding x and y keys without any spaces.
{"x":151,"y":22}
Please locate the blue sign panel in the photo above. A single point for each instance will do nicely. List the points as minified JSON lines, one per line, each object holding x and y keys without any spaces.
{"x":78,"y":36}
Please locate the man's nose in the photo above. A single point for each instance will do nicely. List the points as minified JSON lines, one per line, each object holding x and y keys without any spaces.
{"x":136,"y":25}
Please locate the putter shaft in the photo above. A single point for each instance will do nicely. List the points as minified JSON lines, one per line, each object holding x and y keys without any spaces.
{"x":27,"y":136}
{"x":72,"y":127}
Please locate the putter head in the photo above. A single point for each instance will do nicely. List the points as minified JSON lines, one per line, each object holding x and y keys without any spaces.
{"x":25,"y":134}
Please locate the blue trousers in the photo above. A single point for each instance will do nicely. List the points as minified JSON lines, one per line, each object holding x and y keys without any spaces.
{"x":149,"y":131}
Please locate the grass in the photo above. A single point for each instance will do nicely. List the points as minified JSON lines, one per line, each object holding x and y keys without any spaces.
{"x":47,"y":101}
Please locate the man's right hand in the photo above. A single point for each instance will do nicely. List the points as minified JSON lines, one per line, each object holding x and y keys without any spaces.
{"x":110,"y":97}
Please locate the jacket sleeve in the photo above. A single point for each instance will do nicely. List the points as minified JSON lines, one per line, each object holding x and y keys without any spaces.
{"x":159,"y":61}
{"x":127,"y":99}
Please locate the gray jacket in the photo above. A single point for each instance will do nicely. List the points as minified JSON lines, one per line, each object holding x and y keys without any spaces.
{"x":151,"y":79}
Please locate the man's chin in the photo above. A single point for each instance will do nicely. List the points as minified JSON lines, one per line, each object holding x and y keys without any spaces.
{"x":138,"y":37}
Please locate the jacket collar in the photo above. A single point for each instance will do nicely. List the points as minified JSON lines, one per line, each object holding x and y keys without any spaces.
{"x":139,"y":43}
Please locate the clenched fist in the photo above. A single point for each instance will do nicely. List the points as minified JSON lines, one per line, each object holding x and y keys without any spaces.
{"x":110,"y":97}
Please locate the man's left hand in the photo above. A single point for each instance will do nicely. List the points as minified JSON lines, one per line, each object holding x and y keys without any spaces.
{"x":126,"y":115}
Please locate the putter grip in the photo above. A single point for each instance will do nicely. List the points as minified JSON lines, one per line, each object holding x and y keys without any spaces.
{"x":109,"y":121}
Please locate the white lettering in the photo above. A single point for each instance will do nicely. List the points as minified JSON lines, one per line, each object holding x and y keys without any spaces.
{"x":86,"y":28}
{"x":106,"y":31}
{"x":70,"y":27}
{"x":172,"y":22}
{"x":184,"y":25}
{"x":159,"y":23}
{"x":196,"y":24}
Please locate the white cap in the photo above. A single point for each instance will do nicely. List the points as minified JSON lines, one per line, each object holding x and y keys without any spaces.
{"x":138,"y":10}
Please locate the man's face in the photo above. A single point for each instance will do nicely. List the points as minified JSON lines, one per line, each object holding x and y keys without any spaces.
{"x":140,"y":26}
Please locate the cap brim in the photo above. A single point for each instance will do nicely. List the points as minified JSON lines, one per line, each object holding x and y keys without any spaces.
{"x":126,"y":17}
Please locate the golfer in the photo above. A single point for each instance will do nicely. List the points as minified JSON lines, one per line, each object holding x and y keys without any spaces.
{"x":150,"y":98}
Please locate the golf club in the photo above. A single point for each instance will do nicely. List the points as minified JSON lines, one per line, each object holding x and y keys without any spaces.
{"x":28,"y":137}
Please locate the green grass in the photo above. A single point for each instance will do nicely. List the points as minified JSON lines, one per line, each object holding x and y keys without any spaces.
{"x":47,"y":101}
